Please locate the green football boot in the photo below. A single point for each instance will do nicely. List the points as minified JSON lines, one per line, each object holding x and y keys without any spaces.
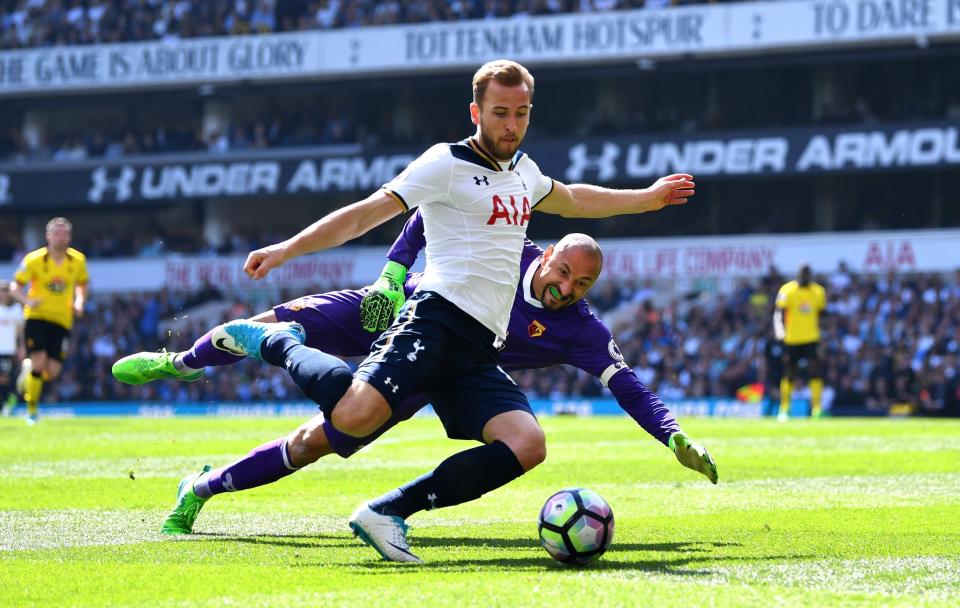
{"x":141,"y":368}
{"x":184,"y":513}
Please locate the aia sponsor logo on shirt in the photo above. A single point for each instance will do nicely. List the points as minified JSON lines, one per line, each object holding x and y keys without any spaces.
{"x":511,"y":211}
{"x":536,"y":329}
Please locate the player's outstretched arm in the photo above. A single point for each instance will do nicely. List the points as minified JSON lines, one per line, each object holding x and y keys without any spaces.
{"x":584,"y":200}
{"x":655,"y":418}
{"x":334,"y":229}
{"x":693,"y":456}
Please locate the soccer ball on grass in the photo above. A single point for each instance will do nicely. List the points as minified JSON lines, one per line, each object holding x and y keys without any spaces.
{"x":576,"y":526}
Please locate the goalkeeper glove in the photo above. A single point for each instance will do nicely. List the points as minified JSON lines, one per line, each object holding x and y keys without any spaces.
{"x":384,"y":298}
{"x":693,"y":456}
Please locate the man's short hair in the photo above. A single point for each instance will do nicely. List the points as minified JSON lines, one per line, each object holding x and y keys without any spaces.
{"x":59,"y":221}
{"x":503,"y":71}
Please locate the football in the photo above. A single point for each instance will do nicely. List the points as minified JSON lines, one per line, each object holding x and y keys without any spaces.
{"x":576,"y":526}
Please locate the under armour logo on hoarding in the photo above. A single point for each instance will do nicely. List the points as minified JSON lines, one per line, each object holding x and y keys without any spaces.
{"x":604,"y":164}
{"x":481,"y":179}
{"x":121,"y":186}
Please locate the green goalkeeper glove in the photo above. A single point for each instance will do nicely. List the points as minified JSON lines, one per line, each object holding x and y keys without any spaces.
{"x":384,"y":298}
{"x":693,"y":456}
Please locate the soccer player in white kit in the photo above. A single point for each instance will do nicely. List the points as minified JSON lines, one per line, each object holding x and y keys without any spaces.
{"x":476,"y":198}
{"x":11,"y":329}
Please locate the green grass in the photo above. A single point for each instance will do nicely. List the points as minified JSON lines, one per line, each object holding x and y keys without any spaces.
{"x":825,"y":513}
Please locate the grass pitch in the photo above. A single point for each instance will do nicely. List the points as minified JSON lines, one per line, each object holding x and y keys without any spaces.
{"x":825,"y":513}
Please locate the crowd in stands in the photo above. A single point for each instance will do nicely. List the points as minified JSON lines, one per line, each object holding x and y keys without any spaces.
{"x":37,"y":23}
{"x":347,"y":126}
{"x":887,"y":340}
{"x":120,"y":132}
{"x":156,"y":240}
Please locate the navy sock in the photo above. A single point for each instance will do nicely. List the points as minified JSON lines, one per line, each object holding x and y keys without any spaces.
{"x":322,"y":377}
{"x":463,"y":477}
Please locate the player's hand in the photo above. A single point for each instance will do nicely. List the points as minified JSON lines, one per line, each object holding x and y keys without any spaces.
{"x":670,"y":190}
{"x":263,"y":260}
{"x":32,"y":302}
{"x":382,"y":303}
{"x":78,"y":310}
{"x":779,"y":333}
{"x":693,"y":456}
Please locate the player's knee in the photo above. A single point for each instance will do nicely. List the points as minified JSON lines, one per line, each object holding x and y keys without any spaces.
{"x":361,"y":411}
{"x":354,"y":418}
{"x":529,"y":445}
{"x":351,"y":420}
{"x":337,"y":382}
{"x":307,"y":444}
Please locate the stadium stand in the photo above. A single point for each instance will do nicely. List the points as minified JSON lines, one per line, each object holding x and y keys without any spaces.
{"x":888,"y":340}
{"x":31,"y":23}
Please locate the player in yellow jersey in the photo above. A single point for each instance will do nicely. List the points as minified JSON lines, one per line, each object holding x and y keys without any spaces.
{"x":796,"y":322}
{"x":57,"y":279}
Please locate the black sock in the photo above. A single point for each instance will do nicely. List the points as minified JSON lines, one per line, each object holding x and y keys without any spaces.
{"x":463,"y":477}
{"x":322,"y":377}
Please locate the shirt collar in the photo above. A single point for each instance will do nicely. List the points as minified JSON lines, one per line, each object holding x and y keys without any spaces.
{"x":528,"y":283}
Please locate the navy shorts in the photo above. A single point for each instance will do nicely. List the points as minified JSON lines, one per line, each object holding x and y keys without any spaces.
{"x":436,"y":348}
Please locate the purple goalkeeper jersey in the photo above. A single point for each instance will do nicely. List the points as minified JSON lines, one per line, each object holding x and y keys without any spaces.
{"x":537,"y":337}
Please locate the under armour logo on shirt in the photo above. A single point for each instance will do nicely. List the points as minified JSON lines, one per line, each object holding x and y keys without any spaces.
{"x":388,"y":382}
{"x":416,"y":349}
{"x":481,"y":179}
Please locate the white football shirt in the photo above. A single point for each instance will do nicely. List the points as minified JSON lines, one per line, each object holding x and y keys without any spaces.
{"x":475,"y":216}
{"x":10,"y":317}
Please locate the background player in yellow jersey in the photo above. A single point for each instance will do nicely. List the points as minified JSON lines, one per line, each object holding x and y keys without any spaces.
{"x":796,"y":322}
{"x":57,"y":276}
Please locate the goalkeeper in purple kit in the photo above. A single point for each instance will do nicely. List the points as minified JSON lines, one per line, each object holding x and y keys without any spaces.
{"x":550,"y":324}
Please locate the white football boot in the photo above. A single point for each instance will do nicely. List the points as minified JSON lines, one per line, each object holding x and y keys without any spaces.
{"x":385,"y":533}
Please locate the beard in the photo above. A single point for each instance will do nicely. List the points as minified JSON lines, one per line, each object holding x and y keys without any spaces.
{"x":496,"y":151}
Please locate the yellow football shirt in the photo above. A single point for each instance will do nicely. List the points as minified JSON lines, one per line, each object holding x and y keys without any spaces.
{"x":801,"y":311}
{"x":52,"y":284}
